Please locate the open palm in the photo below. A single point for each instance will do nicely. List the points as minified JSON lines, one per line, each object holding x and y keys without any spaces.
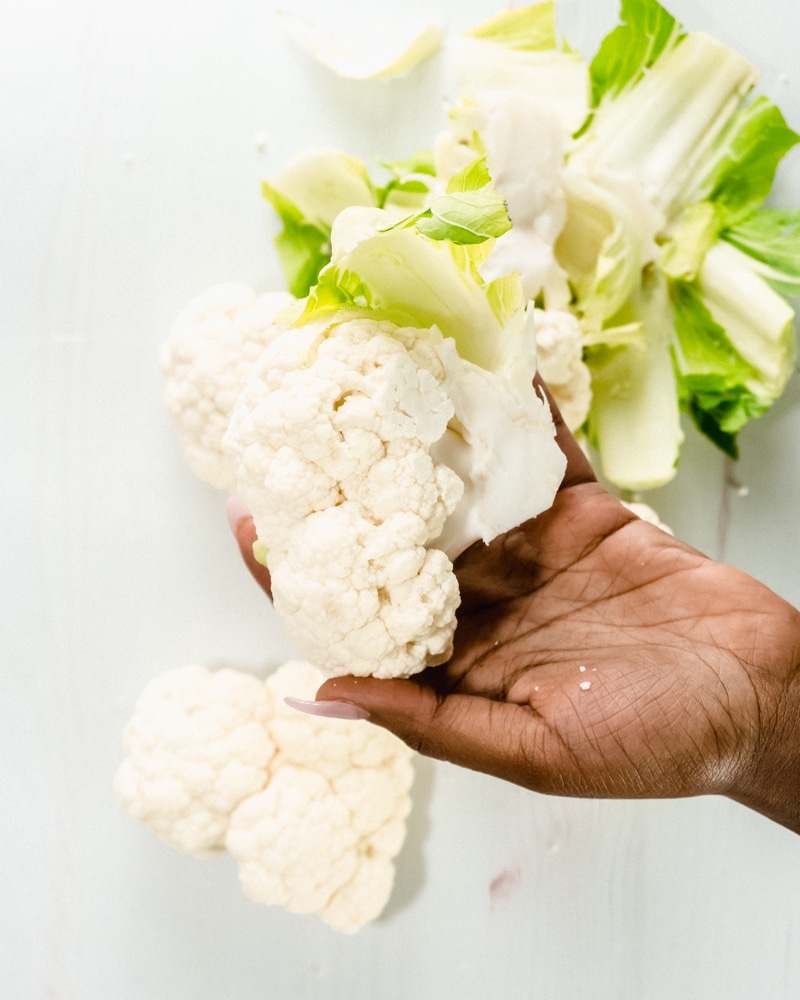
{"x":597,"y":655}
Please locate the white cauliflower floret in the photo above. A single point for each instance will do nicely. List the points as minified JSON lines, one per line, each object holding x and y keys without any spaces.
{"x":646,"y":513}
{"x":559,"y":360}
{"x":357,"y":407}
{"x":367,"y":596}
{"x":323,"y":840}
{"x":294,"y":842}
{"x":196,"y":746}
{"x":335,"y":747}
{"x":370,"y":455}
{"x":206,"y":360}
{"x":312,"y":809}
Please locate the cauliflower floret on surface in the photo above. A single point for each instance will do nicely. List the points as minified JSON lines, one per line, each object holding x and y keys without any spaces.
{"x":205,"y":361}
{"x":336,"y":748}
{"x":313,"y":809}
{"x":293,"y":842}
{"x":197,"y":745}
{"x":559,"y":360}
{"x":331,"y":439}
{"x":322,"y":837}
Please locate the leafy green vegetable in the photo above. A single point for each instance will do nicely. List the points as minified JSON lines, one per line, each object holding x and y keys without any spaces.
{"x":647,"y":31}
{"x":398,"y":273}
{"x":528,"y":29}
{"x":713,"y":377}
{"x":735,"y":178}
{"x":691,"y":237}
{"x":771,"y":238}
{"x":470,"y":212}
{"x":410,"y":181}
{"x":634,"y":420}
{"x":304,"y":248}
{"x":307,"y":196}
{"x":629,"y":191}
{"x":465,"y":217}
{"x":739,"y":170}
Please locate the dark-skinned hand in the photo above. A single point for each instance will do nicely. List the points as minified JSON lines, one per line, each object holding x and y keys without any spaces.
{"x":596,"y":655}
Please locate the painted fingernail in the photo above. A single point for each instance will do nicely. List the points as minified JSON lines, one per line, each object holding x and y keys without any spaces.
{"x":328,"y":709}
{"x":237,"y":510}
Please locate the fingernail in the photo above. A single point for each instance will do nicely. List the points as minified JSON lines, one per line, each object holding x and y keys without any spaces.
{"x":237,"y":510}
{"x":328,"y":709}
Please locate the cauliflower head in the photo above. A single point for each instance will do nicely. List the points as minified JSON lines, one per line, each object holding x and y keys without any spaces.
{"x":205,"y":361}
{"x":331,"y":440}
{"x":312,"y":809}
{"x":371,"y":455}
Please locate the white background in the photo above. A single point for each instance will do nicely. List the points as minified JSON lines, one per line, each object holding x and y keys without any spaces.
{"x":133,"y":136}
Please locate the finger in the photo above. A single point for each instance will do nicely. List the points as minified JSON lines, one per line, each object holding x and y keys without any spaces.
{"x":244,"y":531}
{"x":579,"y":469}
{"x":494,"y":737}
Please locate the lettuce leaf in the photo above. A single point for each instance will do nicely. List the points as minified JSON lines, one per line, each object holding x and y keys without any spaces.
{"x":307,"y":195}
{"x":739,"y":170}
{"x":627,"y":52}
{"x":525,"y":29}
{"x":634,"y":419}
{"x":735,"y":345}
{"x":398,"y":273}
{"x":771,"y":238}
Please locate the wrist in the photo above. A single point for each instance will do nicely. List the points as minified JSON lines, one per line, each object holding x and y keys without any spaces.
{"x":768,"y":779}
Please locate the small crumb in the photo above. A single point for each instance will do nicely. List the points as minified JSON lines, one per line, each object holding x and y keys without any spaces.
{"x":585,"y":685}
{"x":535,"y":687}
{"x":743,"y":491}
{"x":260,"y":141}
{"x":582,"y":669}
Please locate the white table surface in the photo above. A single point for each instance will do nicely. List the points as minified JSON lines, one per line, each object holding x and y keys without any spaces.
{"x":133,"y":136}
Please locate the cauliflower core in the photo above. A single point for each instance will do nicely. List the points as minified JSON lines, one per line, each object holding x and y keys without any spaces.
{"x":312,"y":809}
{"x":331,"y":439}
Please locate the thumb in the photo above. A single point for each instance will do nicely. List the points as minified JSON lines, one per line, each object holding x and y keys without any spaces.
{"x":244,"y":531}
{"x":493,"y":737}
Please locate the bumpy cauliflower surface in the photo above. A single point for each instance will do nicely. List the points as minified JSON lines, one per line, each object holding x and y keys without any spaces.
{"x":313,"y":809}
{"x":205,"y":361}
{"x":322,"y":835}
{"x":371,"y":456}
{"x":331,"y":439}
{"x":560,"y":362}
{"x":197,"y":745}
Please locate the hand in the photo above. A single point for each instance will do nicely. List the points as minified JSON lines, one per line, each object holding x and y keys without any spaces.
{"x":596,"y":655}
